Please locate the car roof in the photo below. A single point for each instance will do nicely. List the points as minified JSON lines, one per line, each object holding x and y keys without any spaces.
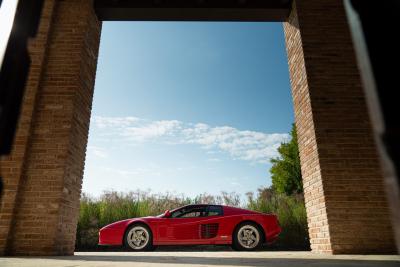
{"x":191,"y":205}
{"x":197,"y":205}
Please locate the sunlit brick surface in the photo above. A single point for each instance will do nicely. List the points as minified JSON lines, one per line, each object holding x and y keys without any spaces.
{"x":343,"y":184}
{"x":43,"y":175}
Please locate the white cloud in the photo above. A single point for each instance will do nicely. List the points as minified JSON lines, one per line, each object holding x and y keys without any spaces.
{"x":105,"y":122}
{"x":150,"y":131}
{"x":97,"y":151}
{"x":244,"y":145}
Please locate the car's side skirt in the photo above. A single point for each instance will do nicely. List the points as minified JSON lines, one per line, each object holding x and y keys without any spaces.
{"x":195,"y":242}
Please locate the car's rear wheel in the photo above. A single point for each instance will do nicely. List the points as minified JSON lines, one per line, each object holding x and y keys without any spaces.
{"x":138,"y":237}
{"x":247,"y":236}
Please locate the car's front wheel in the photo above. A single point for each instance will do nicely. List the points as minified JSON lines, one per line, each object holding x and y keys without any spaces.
{"x":247,"y":236}
{"x":138,"y":237}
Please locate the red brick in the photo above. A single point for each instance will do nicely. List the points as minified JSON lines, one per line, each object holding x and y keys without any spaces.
{"x":342,"y":178}
{"x":56,"y":114}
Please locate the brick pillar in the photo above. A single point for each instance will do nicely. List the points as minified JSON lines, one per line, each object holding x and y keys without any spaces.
{"x":12,"y":166}
{"x":345,"y":199}
{"x":43,"y":175}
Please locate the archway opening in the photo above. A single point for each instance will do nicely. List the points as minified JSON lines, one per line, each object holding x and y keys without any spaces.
{"x":189,"y":112}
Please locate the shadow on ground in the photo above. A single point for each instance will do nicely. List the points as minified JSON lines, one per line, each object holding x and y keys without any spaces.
{"x":184,"y":260}
{"x":191,"y":248}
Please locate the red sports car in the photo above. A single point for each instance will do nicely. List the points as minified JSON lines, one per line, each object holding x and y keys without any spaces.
{"x":194,"y":225}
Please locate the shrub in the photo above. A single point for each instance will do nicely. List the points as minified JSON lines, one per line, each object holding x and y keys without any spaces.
{"x":291,"y":213}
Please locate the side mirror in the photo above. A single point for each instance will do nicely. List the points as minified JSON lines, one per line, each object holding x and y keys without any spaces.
{"x":167,"y":214}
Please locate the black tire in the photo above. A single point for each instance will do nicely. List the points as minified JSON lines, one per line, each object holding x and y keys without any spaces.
{"x":258,"y":235}
{"x":128,"y":238}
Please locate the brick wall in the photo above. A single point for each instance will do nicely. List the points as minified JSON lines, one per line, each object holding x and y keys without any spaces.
{"x":343,"y":184}
{"x":44,"y":173}
{"x":12,"y":166}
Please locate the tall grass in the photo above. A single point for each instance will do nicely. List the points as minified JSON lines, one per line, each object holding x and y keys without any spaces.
{"x":291,"y":213}
{"x":112,"y":206}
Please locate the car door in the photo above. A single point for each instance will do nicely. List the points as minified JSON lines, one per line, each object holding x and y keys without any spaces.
{"x":209,"y":228}
{"x":183,"y":227}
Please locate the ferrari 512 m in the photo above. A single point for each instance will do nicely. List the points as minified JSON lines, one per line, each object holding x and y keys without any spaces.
{"x":194,"y":225}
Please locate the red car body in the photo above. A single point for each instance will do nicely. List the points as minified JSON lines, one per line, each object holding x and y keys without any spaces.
{"x":214,"y":229}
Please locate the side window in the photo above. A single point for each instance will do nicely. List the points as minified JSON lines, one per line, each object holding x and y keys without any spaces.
{"x":214,"y":211}
{"x":190,"y":212}
{"x":193,"y":213}
{"x":177,"y":213}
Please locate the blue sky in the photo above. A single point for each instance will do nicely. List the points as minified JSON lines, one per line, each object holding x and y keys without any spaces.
{"x":187,"y":107}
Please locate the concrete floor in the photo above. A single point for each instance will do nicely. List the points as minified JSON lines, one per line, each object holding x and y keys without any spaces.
{"x":204,"y":258}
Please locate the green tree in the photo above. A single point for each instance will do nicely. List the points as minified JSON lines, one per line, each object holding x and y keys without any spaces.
{"x":285,"y":170}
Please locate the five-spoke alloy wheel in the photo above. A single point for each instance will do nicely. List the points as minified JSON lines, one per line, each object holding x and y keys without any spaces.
{"x":138,"y":237}
{"x":247,"y":236}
